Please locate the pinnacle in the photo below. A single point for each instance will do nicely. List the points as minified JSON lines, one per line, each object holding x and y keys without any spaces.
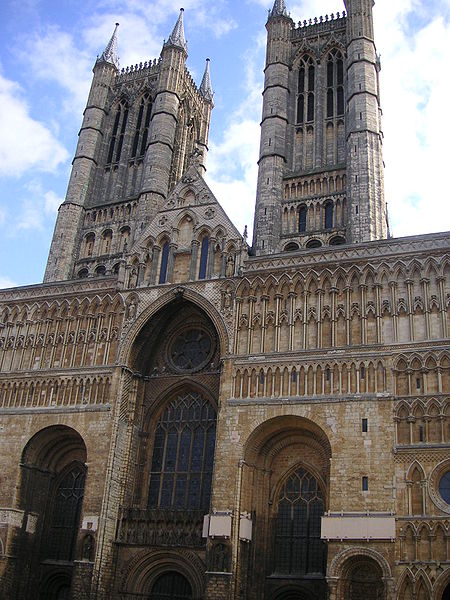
{"x":177,"y":38}
{"x":109,"y":54}
{"x":205,"y":86}
{"x":279,"y":9}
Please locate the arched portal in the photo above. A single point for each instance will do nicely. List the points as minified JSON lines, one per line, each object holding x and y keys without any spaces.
{"x":446,"y":594}
{"x":51,"y":490}
{"x":175,"y":359}
{"x":171,"y":586}
{"x":362,"y":580}
{"x":286,"y":477}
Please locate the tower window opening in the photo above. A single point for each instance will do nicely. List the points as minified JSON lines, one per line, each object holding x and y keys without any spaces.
{"x":138,"y":130}
{"x":335,"y":84}
{"x":329,"y":215}
{"x":363,"y":372}
{"x":302,"y":219}
{"x":203,"y":258}
{"x":164,"y":263}
{"x":114,"y":135}
{"x":328,"y":374}
{"x":261,"y":377}
{"x":365,"y":425}
{"x":365,"y":484}
{"x":306,"y":87}
{"x":122,"y":134}
{"x":418,"y":383}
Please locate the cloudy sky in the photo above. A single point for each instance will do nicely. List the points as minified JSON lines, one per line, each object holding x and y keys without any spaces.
{"x":47,"y":50}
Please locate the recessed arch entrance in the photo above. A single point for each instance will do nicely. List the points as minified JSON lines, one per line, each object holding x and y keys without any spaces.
{"x":446,"y":593}
{"x":286,"y":477}
{"x":51,"y":490}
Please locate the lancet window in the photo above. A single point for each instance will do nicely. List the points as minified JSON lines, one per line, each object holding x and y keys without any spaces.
{"x":335,"y":84}
{"x":118,"y":133}
{"x":305,"y":92}
{"x":203,"y":258}
{"x":142,"y":125}
{"x":183,"y":454}
{"x":164,"y":263}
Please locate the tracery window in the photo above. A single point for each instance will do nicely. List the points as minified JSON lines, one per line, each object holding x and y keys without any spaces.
{"x":142,"y":126}
{"x":171,"y":585}
{"x":65,"y":514}
{"x":335,"y":84}
{"x":298,"y":547}
{"x":118,"y":133}
{"x":183,"y":454}
{"x":305,"y":92}
{"x":302,"y":219}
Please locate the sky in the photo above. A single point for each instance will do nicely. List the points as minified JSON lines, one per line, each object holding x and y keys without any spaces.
{"x":48,"y":48}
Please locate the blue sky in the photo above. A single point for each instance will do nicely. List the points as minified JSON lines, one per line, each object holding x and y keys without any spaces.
{"x":47,"y":50}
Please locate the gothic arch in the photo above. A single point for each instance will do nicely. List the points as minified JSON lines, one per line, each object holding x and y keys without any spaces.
{"x":144,"y":569}
{"x":179,"y":293}
{"x":337,"y":564}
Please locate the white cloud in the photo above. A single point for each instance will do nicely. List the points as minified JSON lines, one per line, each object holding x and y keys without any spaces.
{"x":6,"y":282}
{"x":38,"y":208}
{"x":24,"y":142}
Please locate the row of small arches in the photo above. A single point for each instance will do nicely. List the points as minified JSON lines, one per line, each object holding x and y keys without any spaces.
{"x":324,"y":215}
{"x":317,"y":380}
{"x":120,"y":212}
{"x":315,"y":187}
{"x":64,"y":392}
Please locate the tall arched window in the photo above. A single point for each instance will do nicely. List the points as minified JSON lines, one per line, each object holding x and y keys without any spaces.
{"x":164,"y":263}
{"x":302,"y":219}
{"x":65,"y":514}
{"x":203,"y":258}
{"x":299,"y":549}
{"x":183,"y":454}
{"x":305,"y":92}
{"x":142,"y":125}
{"x":328,"y":215}
{"x":335,"y":84}
{"x":118,"y":133}
{"x":171,"y":585}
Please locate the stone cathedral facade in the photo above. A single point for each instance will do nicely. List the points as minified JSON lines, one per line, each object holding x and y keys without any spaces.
{"x":183,"y":416}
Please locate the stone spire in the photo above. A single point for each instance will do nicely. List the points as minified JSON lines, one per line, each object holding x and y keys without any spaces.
{"x":205,"y":86}
{"x":177,"y":38}
{"x":279,"y":9}
{"x":109,"y":54}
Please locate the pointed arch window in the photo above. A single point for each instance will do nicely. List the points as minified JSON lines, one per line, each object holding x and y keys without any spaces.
{"x":328,"y":215}
{"x":164,"y":263}
{"x":335,"y":84}
{"x":65,"y":514}
{"x":183,"y":454}
{"x":299,"y":549}
{"x":118,"y":133}
{"x":203,"y":258}
{"x":305,"y":91}
{"x":142,"y":125}
{"x":302,"y":219}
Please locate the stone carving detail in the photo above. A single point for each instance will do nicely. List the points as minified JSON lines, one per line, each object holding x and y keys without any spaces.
{"x":154,"y":527}
{"x":220,"y":558}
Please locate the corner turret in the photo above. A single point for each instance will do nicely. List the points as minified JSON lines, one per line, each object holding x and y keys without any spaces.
{"x":109,"y":54}
{"x":177,"y":38}
{"x":279,"y":9}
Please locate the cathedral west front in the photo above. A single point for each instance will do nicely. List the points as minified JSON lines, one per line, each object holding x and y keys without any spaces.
{"x":185,"y":415}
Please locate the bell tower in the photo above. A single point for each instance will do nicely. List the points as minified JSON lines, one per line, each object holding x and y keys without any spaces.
{"x":320,"y":179}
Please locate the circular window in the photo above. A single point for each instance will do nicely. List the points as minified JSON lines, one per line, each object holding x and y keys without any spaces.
{"x":439,"y":486}
{"x":444,"y":487}
{"x":191,"y":350}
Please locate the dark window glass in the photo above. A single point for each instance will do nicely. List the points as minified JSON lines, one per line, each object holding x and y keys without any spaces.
{"x":138,"y":130}
{"x":183,"y":455}
{"x":311,"y":72}
{"x":340,"y":101}
{"x":300,"y":109}
{"x":298,"y":547}
{"x":340,"y":72}
{"x":301,"y":80}
{"x":146,"y":126}
{"x":364,"y":425}
{"x":328,"y":215}
{"x":171,"y":586}
{"x":114,"y":134}
{"x":330,"y":103}
{"x":164,"y":261}
{"x":330,"y":72}
{"x":444,"y":487}
{"x":203,"y":258}
{"x":311,"y":107}
{"x":302,"y":219}
{"x":122,"y":134}
{"x":365,"y":484}
{"x":65,"y":514}
{"x":328,"y":374}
